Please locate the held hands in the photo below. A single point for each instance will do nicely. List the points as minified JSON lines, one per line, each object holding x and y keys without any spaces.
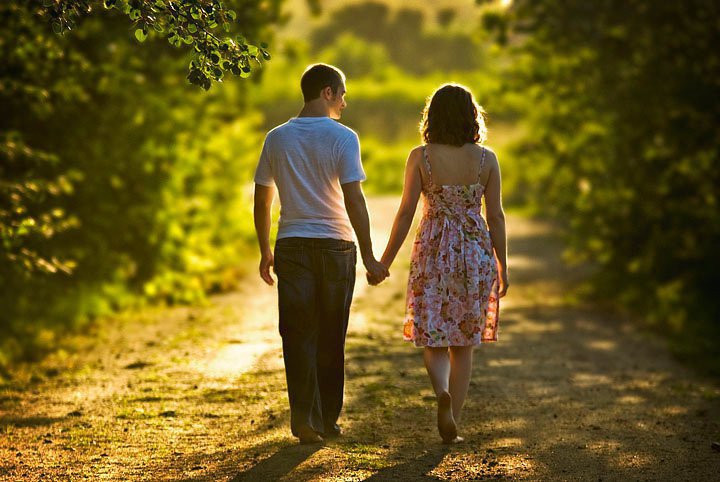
{"x":376,"y":272}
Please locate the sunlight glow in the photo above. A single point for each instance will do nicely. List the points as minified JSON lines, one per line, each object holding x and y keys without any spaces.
{"x":505,"y":362}
{"x":235,"y":359}
{"x":631,"y":399}
{"x":604,"y":345}
{"x":635,"y":460}
{"x":604,"y":445}
{"x":590,"y":379}
{"x":673,"y":410}
{"x":508,"y":442}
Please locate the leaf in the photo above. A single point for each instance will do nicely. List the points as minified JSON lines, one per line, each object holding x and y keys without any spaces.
{"x":141,"y":34}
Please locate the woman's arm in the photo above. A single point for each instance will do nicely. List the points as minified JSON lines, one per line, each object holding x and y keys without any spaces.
{"x":496,"y":221}
{"x":406,"y":211}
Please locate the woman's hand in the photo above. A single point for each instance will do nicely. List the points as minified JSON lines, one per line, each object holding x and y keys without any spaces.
{"x":504,"y":284}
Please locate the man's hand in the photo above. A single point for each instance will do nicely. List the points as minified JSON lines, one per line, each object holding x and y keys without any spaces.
{"x":266,"y":262}
{"x":376,"y":272}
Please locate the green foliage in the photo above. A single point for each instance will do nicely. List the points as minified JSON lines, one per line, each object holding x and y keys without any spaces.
{"x":121,"y":184}
{"x":117,"y":183}
{"x":385,"y":102}
{"x":31,"y":185}
{"x":384,"y":162}
{"x":410,"y":44}
{"x":187,"y":22}
{"x":623,"y":103}
{"x":359,"y":58}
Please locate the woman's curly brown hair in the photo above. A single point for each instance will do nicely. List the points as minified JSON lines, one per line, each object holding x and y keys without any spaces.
{"x":451,"y":116}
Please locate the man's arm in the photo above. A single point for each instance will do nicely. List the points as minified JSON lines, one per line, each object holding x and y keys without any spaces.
{"x":262,"y":214}
{"x":358,"y":214}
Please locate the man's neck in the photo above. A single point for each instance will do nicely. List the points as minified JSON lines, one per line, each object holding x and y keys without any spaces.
{"x":313,"y":110}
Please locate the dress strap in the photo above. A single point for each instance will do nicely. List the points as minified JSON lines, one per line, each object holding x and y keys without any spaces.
{"x":482,"y":163}
{"x":427,"y":164}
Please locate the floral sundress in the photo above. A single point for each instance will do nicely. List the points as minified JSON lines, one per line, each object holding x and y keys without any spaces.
{"x":452,"y":294}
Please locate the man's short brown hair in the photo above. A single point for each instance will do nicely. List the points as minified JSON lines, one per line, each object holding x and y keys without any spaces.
{"x":319,"y":76}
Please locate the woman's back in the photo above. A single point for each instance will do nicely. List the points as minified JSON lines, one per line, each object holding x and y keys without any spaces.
{"x":456,"y":166}
{"x":452,"y":286}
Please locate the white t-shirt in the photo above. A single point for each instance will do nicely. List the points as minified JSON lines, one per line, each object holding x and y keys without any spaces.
{"x":308,"y":158}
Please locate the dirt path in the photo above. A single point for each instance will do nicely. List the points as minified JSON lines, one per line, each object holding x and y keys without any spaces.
{"x":198,"y":394}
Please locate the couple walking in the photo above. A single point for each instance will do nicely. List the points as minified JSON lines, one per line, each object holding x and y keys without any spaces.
{"x":458,"y":268}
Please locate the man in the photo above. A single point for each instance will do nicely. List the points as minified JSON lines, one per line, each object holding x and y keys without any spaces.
{"x":315,"y":163}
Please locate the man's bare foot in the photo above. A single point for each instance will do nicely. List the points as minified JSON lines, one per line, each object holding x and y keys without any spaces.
{"x":308,"y":436}
{"x":332,"y":431}
{"x":446,"y":422}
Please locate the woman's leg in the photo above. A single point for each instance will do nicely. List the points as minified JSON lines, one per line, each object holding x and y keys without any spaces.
{"x":460,"y":372}
{"x":437,"y":363}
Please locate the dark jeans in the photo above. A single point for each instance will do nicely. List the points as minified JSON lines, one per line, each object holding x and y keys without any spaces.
{"x":316,"y":277}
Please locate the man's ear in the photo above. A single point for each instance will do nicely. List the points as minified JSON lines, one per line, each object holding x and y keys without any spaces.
{"x":327,"y":93}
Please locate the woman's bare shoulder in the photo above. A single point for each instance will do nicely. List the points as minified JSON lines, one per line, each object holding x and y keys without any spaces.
{"x":491,"y":158}
{"x":415,"y":154}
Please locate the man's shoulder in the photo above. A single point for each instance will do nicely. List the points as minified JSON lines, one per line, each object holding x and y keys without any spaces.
{"x":279,"y":129}
{"x":344,"y":130}
{"x":330,"y":130}
{"x":334,"y":129}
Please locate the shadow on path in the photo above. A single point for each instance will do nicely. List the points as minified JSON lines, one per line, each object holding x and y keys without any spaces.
{"x":415,"y":469}
{"x":278,"y":465}
{"x":566,"y":394}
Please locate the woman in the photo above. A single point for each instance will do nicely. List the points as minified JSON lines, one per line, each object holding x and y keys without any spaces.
{"x":458,"y":266}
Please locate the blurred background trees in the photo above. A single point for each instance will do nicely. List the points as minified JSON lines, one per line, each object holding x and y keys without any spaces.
{"x":118,"y":178}
{"x":621,"y":107}
{"x":121,"y":183}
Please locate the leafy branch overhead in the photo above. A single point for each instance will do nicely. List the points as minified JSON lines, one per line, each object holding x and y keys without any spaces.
{"x":182,"y":22}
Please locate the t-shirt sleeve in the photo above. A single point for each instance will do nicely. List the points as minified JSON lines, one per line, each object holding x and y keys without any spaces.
{"x":349,"y":164}
{"x":263,"y":172}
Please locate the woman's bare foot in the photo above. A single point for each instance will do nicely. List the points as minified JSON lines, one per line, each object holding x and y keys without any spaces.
{"x":457,"y":440}
{"x":446,"y":422}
